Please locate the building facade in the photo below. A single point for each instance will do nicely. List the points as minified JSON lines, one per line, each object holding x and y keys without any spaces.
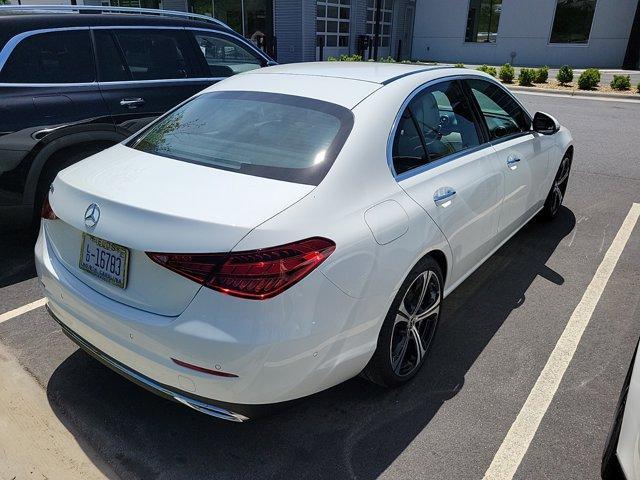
{"x":581,"y":33}
{"x":298,"y":30}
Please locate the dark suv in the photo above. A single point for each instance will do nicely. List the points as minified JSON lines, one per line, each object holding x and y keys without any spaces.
{"x":72,"y":84}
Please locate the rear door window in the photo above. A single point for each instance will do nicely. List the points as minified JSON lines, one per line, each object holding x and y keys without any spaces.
{"x":154,"y":54}
{"x":438,"y":122}
{"x":224,"y":57}
{"x":54,"y":57}
{"x":264,"y":134}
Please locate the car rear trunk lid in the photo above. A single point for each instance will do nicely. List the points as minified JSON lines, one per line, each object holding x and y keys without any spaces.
{"x":152,"y":203}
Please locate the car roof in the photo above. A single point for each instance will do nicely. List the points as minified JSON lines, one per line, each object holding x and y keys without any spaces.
{"x":14,"y":24}
{"x":341,"y":83}
{"x":374,"y":72}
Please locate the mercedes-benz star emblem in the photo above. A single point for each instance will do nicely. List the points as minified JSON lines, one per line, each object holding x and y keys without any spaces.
{"x":92,"y":215}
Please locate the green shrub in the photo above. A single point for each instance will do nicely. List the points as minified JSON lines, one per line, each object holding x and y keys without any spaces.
{"x":542,"y":74}
{"x":459,"y":65}
{"x":507,"y":73}
{"x":487,"y":69}
{"x":589,"y":79}
{"x":406,"y":61}
{"x":526,"y":77}
{"x":346,"y":58}
{"x":565,"y":75}
{"x":621,"y":82}
{"x":387,"y":60}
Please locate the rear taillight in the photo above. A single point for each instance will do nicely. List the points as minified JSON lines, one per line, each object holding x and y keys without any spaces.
{"x":47,"y":212}
{"x":255,"y":274}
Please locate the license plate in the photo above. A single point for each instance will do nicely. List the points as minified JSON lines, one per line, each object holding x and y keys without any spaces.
{"x":106,"y":260}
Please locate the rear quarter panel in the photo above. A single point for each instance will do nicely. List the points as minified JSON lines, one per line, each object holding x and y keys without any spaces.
{"x":363,"y":267}
{"x":31,"y":117}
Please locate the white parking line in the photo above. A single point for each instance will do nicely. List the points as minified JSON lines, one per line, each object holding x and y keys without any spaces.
{"x":24,"y":309}
{"x":516,"y":443}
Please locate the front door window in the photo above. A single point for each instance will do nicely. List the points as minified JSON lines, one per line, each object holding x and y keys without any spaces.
{"x":502,"y":113}
{"x":224,"y":57}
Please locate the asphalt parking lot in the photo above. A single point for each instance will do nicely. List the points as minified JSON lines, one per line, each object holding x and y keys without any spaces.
{"x":498,"y":330}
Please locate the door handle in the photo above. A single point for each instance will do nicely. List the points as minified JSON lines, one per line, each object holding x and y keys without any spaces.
{"x":512,"y":161}
{"x":132,"y":102}
{"x":443,"y":196}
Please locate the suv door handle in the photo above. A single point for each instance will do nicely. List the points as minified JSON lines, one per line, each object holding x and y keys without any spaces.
{"x":132,"y":102}
{"x":443,"y":196}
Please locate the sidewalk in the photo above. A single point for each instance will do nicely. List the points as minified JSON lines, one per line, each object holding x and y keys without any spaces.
{"x":628,"y":96}
{"x":34,"y":443}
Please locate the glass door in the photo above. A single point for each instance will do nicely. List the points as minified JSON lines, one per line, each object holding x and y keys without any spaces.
{"x":333,"y":19}
{"x":201,"y":7}
{"x":251,"y":18}
{"x":386,"y":16}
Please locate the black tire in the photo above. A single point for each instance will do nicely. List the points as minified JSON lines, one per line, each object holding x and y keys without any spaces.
{"x":610,"y":468}
{"x":413,"y":316}
{"x":558,"y":189}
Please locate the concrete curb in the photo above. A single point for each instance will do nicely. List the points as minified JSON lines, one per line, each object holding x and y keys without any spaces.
{"x":574,"y":93}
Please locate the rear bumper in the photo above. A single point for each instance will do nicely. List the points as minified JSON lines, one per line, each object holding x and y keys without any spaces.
{"x":202,"y":405}
{"x":307,"y":339}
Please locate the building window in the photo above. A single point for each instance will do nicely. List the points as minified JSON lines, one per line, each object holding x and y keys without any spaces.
{"x":332,"y":22}
{"x":386,"y":14}
{"x":482,"y":21}
{"x":131,"y":3}
{"x":251,"y":18}
{"x":572,"y":22}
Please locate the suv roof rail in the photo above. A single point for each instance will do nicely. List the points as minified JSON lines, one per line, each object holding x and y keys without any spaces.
{"x":98,"y":9}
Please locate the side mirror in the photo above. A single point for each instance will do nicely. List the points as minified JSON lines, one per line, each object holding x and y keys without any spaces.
{"x":545,"y":124}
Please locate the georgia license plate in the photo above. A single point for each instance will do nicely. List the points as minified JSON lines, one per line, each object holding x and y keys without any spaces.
{"x":106,"y":260}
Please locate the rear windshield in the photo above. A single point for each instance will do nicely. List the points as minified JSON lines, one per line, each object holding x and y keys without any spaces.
{"x":269,"y":135}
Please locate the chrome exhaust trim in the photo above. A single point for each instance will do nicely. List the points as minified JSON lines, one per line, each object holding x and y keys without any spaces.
{"x":145,"y":382}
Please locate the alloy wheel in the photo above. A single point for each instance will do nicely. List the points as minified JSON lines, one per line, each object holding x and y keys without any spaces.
{"x":559,"y":184}
{"x":415,"y":323}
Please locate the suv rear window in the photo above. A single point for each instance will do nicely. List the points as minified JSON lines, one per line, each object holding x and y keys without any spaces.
{"x":264,"y":134}
{"x":54,"y":57}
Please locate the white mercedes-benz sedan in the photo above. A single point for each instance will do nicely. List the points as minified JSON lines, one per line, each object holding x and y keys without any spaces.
{"x":292,"y":227}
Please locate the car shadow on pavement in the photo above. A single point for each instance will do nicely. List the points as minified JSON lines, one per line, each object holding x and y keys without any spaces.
{"x":352,"y":430}
{"x":16,"y":264}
